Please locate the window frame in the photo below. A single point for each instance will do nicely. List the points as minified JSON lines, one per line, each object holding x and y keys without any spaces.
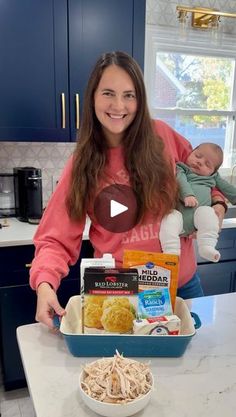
{"x":195,"y":43}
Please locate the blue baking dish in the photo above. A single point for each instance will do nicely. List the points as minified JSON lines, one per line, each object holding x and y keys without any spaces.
{"x":130,"y":345}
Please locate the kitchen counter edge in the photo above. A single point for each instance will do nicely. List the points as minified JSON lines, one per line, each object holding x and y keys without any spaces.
{"x":21,"y":233}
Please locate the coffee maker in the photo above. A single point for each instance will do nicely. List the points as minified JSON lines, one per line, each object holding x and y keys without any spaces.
{"x":28,"y":194}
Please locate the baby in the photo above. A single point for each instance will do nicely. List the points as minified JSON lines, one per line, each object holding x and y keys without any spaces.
{"x":196,"y":178}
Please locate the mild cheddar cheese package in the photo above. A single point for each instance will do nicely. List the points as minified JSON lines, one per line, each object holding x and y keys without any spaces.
{"x":155,"y":270}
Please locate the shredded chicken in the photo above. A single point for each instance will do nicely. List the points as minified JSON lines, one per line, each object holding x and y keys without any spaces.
{"x":116,"y":380}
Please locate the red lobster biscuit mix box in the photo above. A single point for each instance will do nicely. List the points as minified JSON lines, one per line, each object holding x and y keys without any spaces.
{"x":109,"y":300}
{"x":156,"y":270}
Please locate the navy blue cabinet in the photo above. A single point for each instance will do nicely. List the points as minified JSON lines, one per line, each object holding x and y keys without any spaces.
{"x":18,"y":304}
{"x":17,"y":307}
{"x":220,"y":278}
{"x":47,"y":51}
{"x":33,"y":70}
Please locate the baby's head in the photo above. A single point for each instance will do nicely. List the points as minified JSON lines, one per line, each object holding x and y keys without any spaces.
{"x":205,"y":159}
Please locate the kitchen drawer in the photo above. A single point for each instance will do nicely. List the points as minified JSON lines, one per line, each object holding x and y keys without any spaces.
{"x":217,"y":278}
{"x":13,"y":261}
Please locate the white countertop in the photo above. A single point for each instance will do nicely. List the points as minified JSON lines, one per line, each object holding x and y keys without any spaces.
{"x":199,"y":383}
{"x":229,"y":223}
{"x":17,"y":233}
{"x":22,"y":233}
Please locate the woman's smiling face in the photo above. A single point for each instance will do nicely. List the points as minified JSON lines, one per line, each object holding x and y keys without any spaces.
{"x":115,"y":103}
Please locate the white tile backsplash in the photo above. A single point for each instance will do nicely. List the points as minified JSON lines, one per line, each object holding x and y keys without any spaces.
{"x":51,"y":157}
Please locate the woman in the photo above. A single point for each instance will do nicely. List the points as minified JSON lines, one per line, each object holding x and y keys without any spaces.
{"x":118,"y":145}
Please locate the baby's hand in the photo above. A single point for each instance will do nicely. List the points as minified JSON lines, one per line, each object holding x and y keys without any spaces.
{"x":190,"y":201}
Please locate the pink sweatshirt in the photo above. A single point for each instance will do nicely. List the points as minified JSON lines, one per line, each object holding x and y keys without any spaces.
{"x":58,"y":239}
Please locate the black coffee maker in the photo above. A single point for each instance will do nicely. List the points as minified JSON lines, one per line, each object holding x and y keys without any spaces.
{"x":28,"y":194}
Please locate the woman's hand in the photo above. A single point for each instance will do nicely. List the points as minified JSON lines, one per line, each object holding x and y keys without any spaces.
{"x":47,"y":305}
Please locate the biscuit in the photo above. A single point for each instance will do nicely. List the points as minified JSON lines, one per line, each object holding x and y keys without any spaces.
{"x":95,"y":299}
{"x":117,"y":319}
{"x":116,"y":301}
{"x":92,"y":315}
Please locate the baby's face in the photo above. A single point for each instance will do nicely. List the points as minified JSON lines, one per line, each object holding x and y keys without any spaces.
{"x":203,"y":160}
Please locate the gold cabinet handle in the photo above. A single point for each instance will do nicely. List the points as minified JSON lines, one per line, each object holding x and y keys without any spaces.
{"x":77,"y":111}
{"x":63,"y":111}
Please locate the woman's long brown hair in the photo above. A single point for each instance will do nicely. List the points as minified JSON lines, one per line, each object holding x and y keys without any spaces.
{"x":151,"y":174}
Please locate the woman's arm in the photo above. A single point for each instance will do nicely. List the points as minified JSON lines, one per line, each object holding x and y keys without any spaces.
{"x":57,"y":240}
{"x":57,"y":245}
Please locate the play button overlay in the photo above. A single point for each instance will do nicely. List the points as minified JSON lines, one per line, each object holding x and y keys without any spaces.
{"x":115,"y":208}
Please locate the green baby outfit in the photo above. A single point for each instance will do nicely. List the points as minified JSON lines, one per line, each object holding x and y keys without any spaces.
{"x":199,"y":186}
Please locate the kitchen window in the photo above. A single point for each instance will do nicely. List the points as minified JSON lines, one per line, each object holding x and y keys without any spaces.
{"x":191,"y":85}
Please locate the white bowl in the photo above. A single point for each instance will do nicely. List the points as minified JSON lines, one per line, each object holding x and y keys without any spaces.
{"x":114,"y":410}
